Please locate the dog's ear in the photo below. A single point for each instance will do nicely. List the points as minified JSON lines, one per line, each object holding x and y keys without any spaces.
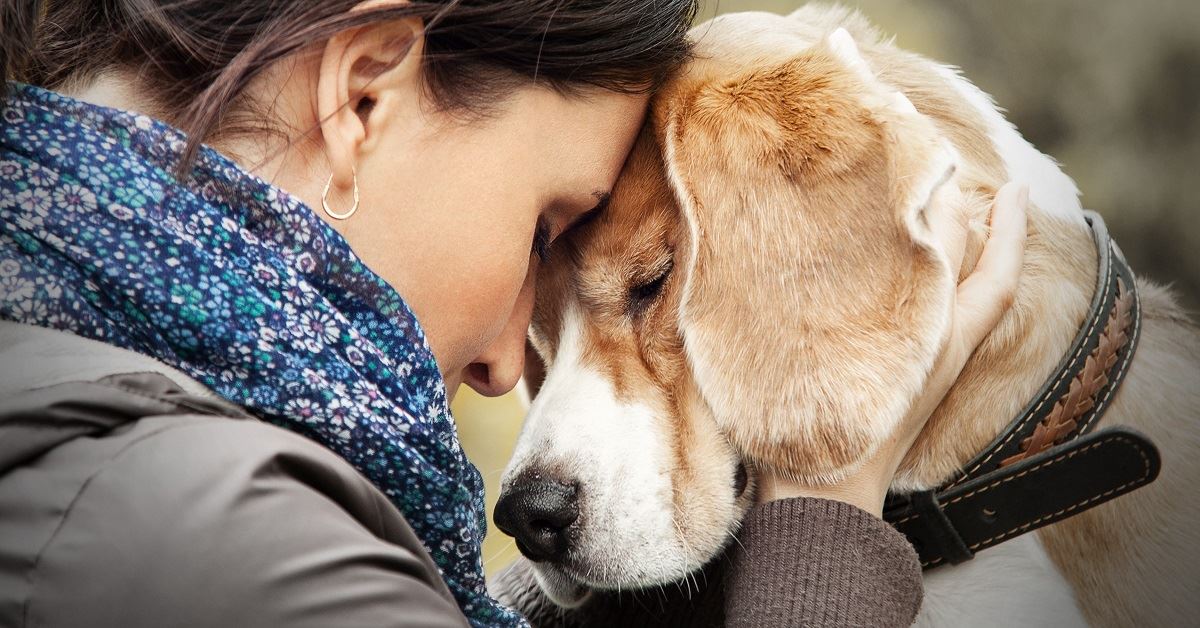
{"x":812,"y":305}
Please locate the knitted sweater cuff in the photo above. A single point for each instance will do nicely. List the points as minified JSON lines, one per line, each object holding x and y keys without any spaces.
{"x":818,"y":562}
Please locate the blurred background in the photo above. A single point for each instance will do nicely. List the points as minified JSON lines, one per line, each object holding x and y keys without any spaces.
{"x":1111,"y":88}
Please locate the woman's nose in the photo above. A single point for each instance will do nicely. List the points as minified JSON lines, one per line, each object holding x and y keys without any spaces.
{"x":498,"y":369}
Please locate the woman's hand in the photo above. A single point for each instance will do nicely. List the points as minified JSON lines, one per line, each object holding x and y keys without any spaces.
{"x":981,"y":300}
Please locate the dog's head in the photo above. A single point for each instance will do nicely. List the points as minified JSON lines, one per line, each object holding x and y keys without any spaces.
{"x":765,"y":289}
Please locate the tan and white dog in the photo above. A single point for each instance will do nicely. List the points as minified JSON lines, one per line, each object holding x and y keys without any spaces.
{"x":765,"y":288}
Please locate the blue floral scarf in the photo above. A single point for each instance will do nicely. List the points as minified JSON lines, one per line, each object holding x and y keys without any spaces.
{"x":245,"y":289}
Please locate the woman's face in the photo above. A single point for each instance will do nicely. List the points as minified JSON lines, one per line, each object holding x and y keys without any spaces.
{"x":452,"y":208}
{"x":452,"y":214}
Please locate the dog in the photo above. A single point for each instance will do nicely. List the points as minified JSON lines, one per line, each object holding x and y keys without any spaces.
{"x":764,"y":289}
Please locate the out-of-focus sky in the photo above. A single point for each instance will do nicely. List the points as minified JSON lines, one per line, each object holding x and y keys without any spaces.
{"x":1111,"y":88}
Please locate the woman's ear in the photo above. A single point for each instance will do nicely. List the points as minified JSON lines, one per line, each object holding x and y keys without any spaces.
{"x":810,"y":316}
{"x":369,"y":77}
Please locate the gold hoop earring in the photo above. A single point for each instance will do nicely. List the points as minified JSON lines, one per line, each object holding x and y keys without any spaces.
{"x":325,"y":199}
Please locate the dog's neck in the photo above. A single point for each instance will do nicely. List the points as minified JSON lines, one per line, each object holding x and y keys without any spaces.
{"x":1057,"y":282}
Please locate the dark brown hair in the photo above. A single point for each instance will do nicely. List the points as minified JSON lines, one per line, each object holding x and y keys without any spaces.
{"x":198,"y":56}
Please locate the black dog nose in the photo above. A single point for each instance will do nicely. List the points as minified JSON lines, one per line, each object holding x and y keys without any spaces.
{"x":537,"y":513}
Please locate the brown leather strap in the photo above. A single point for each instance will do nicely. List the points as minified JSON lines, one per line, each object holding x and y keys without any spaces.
{"x":1086,"y":379}
{"x":1036,"y":491}
{"x":1084,"y":394}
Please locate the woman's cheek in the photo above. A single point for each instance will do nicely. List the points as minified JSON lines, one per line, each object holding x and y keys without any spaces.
{"x":487,"y":305}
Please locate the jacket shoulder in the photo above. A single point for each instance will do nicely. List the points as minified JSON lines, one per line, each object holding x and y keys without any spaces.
{"x":207,"y":520}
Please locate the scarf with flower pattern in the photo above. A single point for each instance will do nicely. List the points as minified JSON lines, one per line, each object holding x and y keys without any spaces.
{"x":245,"y":289}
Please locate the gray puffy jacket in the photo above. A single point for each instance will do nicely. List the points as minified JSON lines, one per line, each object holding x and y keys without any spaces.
{"x":131,"y":496}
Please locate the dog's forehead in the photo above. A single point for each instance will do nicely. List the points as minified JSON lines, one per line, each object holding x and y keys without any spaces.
{"x":636,"y":232}
{"x":641,"y":211}
{"x":639,"y":226}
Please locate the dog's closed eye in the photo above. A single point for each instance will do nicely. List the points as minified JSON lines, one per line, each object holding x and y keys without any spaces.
{"x":642,"y":294}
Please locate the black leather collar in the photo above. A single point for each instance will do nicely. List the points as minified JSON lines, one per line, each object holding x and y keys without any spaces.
{"x":1047,"y":464}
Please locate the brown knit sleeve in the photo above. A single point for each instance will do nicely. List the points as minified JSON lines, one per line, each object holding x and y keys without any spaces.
{"x":797,"y":562}
{"x":817,"y":562}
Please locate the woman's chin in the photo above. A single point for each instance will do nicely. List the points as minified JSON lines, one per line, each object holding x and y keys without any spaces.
{"x":563,"y":590}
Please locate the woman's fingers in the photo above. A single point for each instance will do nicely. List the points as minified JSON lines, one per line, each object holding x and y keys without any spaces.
{"x":986,"y":294}
{"x":982,"y":299}
{"x":951,"y":225}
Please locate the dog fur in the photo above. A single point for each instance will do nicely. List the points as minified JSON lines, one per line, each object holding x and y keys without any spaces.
{"x":777,"y":211}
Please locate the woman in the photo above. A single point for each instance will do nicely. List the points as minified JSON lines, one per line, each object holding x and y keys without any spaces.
{"x":216,"y":407}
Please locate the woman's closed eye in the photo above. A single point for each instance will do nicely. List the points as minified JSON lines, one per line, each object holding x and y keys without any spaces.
{"x":543,"y":236}
{"x":542,"y":240}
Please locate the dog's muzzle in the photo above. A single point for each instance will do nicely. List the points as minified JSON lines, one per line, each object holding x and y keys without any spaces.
{"x":538,"y":513}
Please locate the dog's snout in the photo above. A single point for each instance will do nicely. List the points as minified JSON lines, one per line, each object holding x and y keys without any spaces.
{"x":537,"y":513}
